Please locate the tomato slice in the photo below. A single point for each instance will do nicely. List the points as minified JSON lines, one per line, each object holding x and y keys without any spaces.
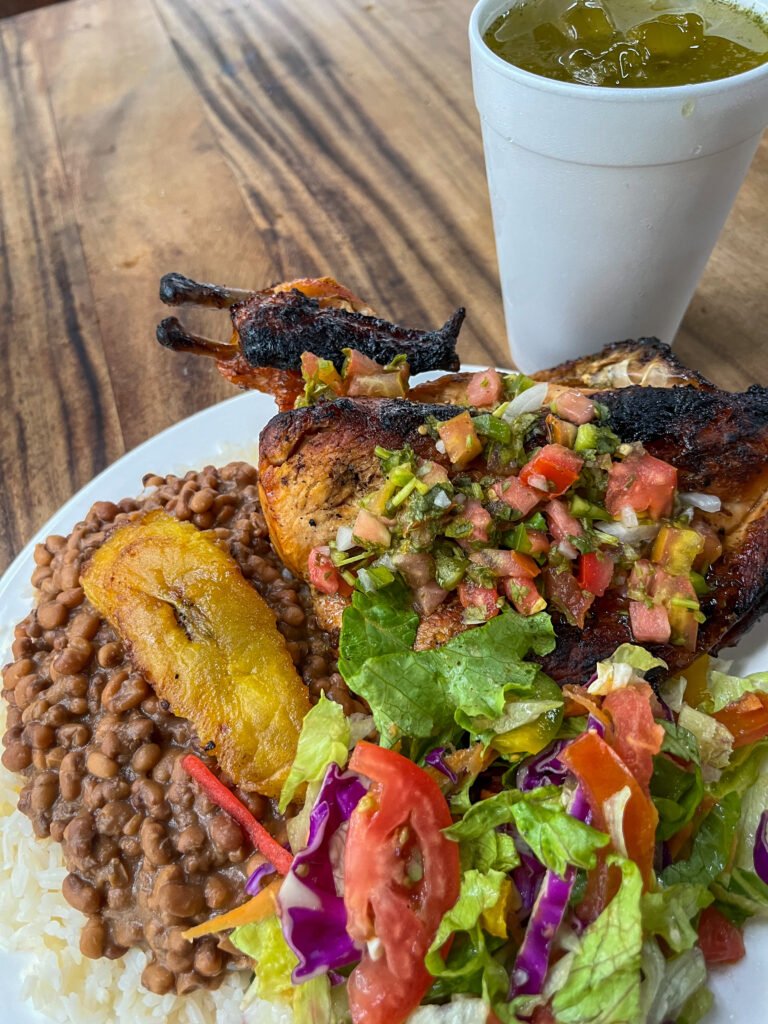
{"x":746,"y":718}
{"x":637,"y":737}
{"x":642,"y":483}
{"x":721,"y":942}
{"x":401,"y":875}
{"x":552,"y":469}
{"x":602,"y":773}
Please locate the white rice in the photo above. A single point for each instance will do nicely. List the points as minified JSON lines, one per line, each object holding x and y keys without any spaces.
{"x":38,"y":923}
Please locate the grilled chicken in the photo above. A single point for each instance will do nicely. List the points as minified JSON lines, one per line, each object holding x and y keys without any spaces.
{"x":317,"y":463}
{"x":274,"y":326}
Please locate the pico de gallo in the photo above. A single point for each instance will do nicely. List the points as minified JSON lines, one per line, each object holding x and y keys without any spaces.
{"x":531,"y":501}
{"x":488,"y":848}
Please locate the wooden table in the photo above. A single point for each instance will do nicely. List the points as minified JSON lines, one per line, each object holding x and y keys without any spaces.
{"x":248,"y":141}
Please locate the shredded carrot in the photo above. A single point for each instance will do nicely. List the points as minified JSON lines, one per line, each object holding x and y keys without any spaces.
{"x":257,"y":909}
{"x":224,"y":798}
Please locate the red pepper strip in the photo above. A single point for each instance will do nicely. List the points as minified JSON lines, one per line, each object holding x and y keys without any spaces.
{"x":224,"y":798}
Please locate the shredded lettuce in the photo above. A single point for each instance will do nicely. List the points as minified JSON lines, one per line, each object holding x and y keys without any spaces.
{"x":423,"y":694}
{"x":556,"y":838}
{"x":725,"y":689}
{"x":274,"y":961}
{"x":603,"y":981}
{"x":711,"y":846}
{"x":684,"y":977}
{"x":715,"y":741}
{"x":668,"y":913}
{"x":741,"y":895}
{"x":312,"y":1002}
{"x":677,"y":790}
{"x":470,"y":958}
{"x":627,"y":662}
{"x":324,"y":740}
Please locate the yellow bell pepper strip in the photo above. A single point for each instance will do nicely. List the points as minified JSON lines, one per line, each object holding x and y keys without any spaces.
{"x":261,"y":906}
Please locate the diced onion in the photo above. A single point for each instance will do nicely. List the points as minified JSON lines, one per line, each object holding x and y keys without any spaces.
{"x":345,"y":540}
{"x":527,"y":401}
{"x":629,"y":516}
{"x":440,"y":445}
{"x":566,"y":548}
{"x":441,"y":500}
{"x":628,"y":534}
{"x":706,"y":502}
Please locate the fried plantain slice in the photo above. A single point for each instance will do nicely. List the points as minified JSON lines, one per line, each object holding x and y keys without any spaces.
{"x":207,"y":642}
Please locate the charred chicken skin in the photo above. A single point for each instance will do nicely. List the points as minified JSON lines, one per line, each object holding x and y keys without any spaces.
{"x":273,"y":327}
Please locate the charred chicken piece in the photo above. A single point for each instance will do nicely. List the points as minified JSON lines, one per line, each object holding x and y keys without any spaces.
{"x":273,"y":327}
{"x":318,"y":463}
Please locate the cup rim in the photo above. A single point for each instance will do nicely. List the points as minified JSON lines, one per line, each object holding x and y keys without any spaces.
{"x":602,"y":93}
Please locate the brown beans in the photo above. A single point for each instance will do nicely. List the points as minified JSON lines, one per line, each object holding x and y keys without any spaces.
{"x":73,"y":658}
{"x":14,"y":672}
{"x":93,"y":938}
{"x":100,"y":765}
{"x":45,"y":789}
{"x":208,"y":958}
{"x":73,"y":735}
{"x":71,"y":598}
{"x":110,"y":654}
{"x":38,"y":736}
{"x":217,"y":892}
{"x":145,"y":758}
{"x":155,"y":843}
{"x":191,"y":838}
{"x":157,"y":979}
{"x":85,"y":624}
{"x":81,"y":895}
{"x":225,"y":833}
{"x":79,"y":835}
{"x":42,"y":555}
{"x":113,"y":817}
{"x":180,"y":899}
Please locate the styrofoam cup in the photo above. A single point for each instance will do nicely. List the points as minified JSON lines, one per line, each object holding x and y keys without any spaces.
{"x":606,"y":202}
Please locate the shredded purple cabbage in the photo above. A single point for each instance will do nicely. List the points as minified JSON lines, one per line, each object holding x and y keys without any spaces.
{"x":312,"y":912}
{"x":594,"y":723}
{"x":527,"y":877}
{"x":436,"y":759}
{"x":256,"y":881}
{"x":760,"y":854}
{"x":544,"y":769}
{"x":532,"y":962}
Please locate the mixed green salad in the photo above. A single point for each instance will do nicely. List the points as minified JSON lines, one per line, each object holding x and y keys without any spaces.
{"x":594,"y":878}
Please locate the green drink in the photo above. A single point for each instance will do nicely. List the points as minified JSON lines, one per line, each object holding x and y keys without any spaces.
{"x":628,"y":43}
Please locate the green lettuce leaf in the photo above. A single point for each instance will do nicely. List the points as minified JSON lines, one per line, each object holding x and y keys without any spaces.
{"x":312,"y":1002}
{"x":273,"y":959}
{"x":423,"y":694}
{"x":324,"y":740}
{"x":676,"y":790}
{"x":741,"y":895}
{"x":603,"y":983}
{"x":669,"y":913}
{"x":711,"y":846}
{"x":679,"y":742}
{"x":725,"y":689}
{"x":470,"y":966}
{"x":496,"y":810}
{"x":638,"y":658}
{"x":680,"y":991}
{"x":556,"y":838}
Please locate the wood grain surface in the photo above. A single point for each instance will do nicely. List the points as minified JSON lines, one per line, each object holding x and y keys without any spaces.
{"x":246,"y":142}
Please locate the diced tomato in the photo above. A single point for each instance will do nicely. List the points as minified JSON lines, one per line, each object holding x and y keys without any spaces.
{"x":484,"y":599}
{"x":595,"y":572}
{"x":643,"y":483}
{"x":524,"y":595}
{"x":637,"y":738}
{"x":505,"y":563}
{"x":401,"y":875}
{"x":650,"y":625}
{"x":485,"y":388}
{"x":746,"y":718}
{"x":538,"y":541}
{"x":552,"y":469}
{"x":515,"y":494}
{"x":676,"y":593}
{"x":387,"y":384}
{"x":323,"y":574}
{"x":358,"y":365}
{"x":369,"y":529}
{"x":459,"y":436}
{"x":574,"y":407}
{"x":640,"y":582}
{"x":562,"y":525}
{"x":429,"y":596}
{"x":721,"y":941}
{"x":712,"y":548}
{"x":480,"y":518}
{"x":562,"y":590}
{"x":602,"y":773}
{"x":431,"y":473}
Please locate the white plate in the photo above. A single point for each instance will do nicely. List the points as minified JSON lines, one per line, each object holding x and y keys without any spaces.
{"x":218,"y":435}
